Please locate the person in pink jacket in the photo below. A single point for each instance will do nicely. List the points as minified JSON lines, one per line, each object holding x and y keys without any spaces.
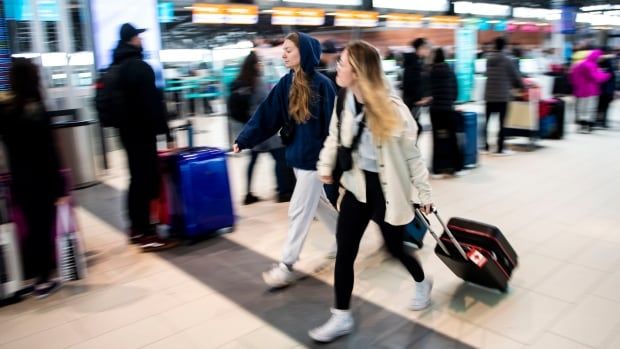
{"x":587,"y":78}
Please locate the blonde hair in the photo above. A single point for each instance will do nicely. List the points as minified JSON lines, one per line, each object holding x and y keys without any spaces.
{"x":300,"y":95}
{"x":381,"y":114}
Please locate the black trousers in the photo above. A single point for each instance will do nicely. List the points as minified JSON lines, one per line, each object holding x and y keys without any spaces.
{"x":603,"y":107}
{"x":501,"y":108}
{"x":144,"y":184}
{"x":38,"y":249}
{"x":447,"y":156}
{"x":352,"y":222}
{"x":285,"y":177}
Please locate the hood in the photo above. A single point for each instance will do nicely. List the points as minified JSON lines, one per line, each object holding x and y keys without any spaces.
{"x":309,"y":52}
{"x":126,"y":51}
{"x":594,"y":56}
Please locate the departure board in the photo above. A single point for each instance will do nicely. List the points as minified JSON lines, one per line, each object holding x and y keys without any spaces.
{"x":5,"y":51}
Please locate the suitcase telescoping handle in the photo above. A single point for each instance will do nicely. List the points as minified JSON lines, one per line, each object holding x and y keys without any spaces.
{"x":424,"y":219}
{"x":189,"y":128}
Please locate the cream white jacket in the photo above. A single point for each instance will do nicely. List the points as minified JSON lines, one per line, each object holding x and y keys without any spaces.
{"x":401,"y":167}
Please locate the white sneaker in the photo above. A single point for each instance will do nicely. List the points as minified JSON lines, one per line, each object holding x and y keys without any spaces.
{"x":279,"y":276}
{"x":422,"y":298}
{"x":438,"y":176}
{"x":339,"y":324}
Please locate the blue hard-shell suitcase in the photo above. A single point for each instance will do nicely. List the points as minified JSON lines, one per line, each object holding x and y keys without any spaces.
{"x":468,"y":127}
{"x":201,"y":202}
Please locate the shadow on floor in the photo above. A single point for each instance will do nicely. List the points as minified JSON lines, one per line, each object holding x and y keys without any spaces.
{"x":234,"y":271}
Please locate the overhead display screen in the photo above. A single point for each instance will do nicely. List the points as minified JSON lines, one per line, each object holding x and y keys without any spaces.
{"x":329,"y":2}
{"x":413,"y":5}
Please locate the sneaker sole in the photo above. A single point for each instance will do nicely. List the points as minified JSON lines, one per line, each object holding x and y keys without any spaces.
{"x":147,"y":249}
{"x":421,"y":307}
{"x":49,"y":293}
{"x":276,"y":285}
{"x":333,"y":338}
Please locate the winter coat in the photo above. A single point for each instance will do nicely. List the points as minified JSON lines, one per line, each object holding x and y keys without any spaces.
{"x":443,"y":87}
{"x":586,"y":77}
{"x":502,"y":76}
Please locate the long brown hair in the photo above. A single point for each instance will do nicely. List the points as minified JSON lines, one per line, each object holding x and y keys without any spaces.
{"x":379,"y":110}
{"x":300,"y":96}
{"x":25,"y":83}
{"x":249,"y":71}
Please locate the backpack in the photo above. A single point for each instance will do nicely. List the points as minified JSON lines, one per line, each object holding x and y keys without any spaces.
{"x":239,"y":103}
{"x":109,"y":99}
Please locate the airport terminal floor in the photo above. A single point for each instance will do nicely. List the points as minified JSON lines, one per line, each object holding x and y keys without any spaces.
{"x":558,"y":206}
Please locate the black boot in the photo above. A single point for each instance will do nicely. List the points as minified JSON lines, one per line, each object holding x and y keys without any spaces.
{"x":250,"y":199}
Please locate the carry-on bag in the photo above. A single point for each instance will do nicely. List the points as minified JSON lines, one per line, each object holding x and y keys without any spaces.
{"x":475,"y":252}
{"x":201,"y":200}
{"x":70,"y":251}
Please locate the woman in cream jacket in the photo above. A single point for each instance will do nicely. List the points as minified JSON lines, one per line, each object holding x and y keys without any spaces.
{"x":387,"y":166}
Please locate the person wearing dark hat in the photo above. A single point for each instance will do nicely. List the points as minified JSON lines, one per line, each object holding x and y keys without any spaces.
{"x":144,"y":118}
{"x":329,"y":59}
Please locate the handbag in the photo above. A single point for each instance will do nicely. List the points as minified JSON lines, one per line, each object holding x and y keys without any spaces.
{"x":70,"y":252}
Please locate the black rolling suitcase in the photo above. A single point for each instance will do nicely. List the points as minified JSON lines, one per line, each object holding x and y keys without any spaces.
{"x":558,"y":110}
{"x":475,"y":252}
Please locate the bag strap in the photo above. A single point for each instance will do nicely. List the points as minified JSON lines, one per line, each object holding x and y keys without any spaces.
{"x":342,"y":95}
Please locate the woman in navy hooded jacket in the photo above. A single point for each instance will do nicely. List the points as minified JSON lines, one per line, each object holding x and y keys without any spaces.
{"x":301,"y":105}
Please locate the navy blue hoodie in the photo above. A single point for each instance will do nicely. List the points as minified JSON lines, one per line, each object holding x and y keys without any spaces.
{"x":268,"y":119}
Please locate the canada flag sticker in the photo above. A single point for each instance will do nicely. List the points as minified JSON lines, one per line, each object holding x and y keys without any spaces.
{"x":477,"y":258}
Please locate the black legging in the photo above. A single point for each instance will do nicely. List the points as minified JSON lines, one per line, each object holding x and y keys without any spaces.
{"x":352,"y":222}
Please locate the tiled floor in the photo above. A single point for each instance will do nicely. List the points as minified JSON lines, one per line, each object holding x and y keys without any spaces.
{"x":558,"y":206}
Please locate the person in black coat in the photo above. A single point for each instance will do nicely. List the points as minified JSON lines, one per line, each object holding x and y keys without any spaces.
{"x":447,"y":157}
{"x":36,"y":183}
{"x":415,"y":85}
{"x":143,"y":119}
{"x":608,"y":91}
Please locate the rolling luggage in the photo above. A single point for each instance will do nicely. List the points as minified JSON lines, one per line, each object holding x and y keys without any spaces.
{"x":161,"y":206}
{"x":467,"y":127}
{"x":447,"y":155}
{"x":201,"y":201}
{"x":476,"y":252}
{"x":558,"y":110}
{"x":551,"y":113}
